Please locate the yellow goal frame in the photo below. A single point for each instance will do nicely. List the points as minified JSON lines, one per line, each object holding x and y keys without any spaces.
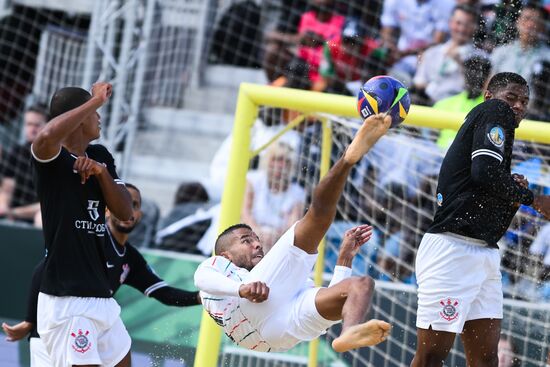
{"x":252,"y":96}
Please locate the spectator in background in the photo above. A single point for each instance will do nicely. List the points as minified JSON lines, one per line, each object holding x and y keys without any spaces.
{"x":540,"y":249}
{"x":347,"y":59}
{"x":439,"y":73}
{"x":497,"y":23}
{"x":318,"y":25}
{"x":18,"y":200}
{"x":272,"y":201}
{"x":188,"y":220}
{"x":476,"y":70}
{"x":539,"y":108}
{"x":419,"y":24}
{"x":279,"y":40}
{"x":521,"y":55}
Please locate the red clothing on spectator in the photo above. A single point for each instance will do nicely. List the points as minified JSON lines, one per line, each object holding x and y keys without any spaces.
{"x":343,"y":65}
{"x":330,"y":31}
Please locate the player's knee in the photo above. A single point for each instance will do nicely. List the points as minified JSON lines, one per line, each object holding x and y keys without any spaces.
{"x":364,"y":283}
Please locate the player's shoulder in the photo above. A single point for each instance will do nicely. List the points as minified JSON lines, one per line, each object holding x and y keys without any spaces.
{"x":132,"y":251}
{"x":98,"y":152}
{"x":494,"y":110}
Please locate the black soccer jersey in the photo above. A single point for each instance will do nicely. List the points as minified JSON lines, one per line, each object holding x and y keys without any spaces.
{"x":125,"y":265}
{"x":17,"y":166}
{"x":476,"y":194}
{"x":73,"y":216}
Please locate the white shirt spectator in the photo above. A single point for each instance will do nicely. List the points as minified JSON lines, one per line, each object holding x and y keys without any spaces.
{"x":513,"y":58}
{"x":261,"y":134}
{"x":269,"y":208}
{"x":541,"y":244}
{"x":440,"y":73}
{"x":417,"y":22}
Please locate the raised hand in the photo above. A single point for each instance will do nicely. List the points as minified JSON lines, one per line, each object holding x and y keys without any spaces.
{"x":353,"y":239}
{"x":256,"y":292}
{"x":18,"y":331}
{"x":102,"y":90}
{"x":368,"y":134}
{"x":87,"y":167}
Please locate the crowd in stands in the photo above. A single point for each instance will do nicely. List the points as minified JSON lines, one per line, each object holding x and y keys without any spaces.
{"x":443,"y":50}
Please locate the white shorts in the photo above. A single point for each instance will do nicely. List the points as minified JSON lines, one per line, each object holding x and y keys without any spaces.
{"x":82,"y":331}
{"x":458,"y":280}
{"x":289,"y":315}
{"x":39,"y":354}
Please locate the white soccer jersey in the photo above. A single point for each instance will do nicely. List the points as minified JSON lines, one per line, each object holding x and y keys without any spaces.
{"x":224,"y":279}
{"x":288,"y":316}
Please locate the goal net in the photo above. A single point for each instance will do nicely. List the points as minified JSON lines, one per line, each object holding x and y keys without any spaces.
{"x":393,"y":189}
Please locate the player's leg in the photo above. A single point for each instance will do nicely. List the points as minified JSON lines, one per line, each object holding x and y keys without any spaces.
{"x":126,"y":361}
{"x":311,"y":229}
{"x":349,"y":301}
{"x":482,"y":330}
{"x":480,"y":338}
{"x":432,"y":347}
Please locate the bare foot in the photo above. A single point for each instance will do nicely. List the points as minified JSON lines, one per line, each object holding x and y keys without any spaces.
{"x":368,"y":134}
{"x":368,"y":334}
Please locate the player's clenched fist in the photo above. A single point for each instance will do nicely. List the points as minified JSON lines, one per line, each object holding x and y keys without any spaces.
{"x":254,"y":292}
{"x":102,"y":90}
{"x":87,"y":167}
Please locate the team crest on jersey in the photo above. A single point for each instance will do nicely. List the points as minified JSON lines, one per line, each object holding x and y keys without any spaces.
{"x":496,"y":136}
{"x":81,"y":343}
{"x":450,"y":309}
{"x":439,"y":199}
{"x":125,"y":272}
{"x":92,"y":209}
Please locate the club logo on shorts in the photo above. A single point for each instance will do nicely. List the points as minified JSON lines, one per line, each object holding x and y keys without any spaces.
{"x":449,"y":311}
{"x":496,"y":136}
{"x":439,"y":199}
{"x":81,"y":343}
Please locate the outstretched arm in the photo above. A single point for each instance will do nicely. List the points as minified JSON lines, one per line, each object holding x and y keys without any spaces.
{"x":48,"y":142}
{"x":541,"y":204}
{"x":172,"y":296}
{"x":310,"y":230}
{"x":353,"y":239}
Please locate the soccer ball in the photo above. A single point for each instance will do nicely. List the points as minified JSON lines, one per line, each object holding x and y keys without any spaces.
{"x":378,"y":95}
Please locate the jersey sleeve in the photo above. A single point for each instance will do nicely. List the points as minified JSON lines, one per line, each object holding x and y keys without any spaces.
{"x":142,"y":276}
{"x":212,"y":276}
{"x":492,"y":129}
{"x":340,"y":273}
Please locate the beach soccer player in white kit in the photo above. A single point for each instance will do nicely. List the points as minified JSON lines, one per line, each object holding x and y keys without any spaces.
{"x":268,"y":303}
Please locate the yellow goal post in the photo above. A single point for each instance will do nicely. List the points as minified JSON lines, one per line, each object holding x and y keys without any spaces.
{"x":250,"y":98}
